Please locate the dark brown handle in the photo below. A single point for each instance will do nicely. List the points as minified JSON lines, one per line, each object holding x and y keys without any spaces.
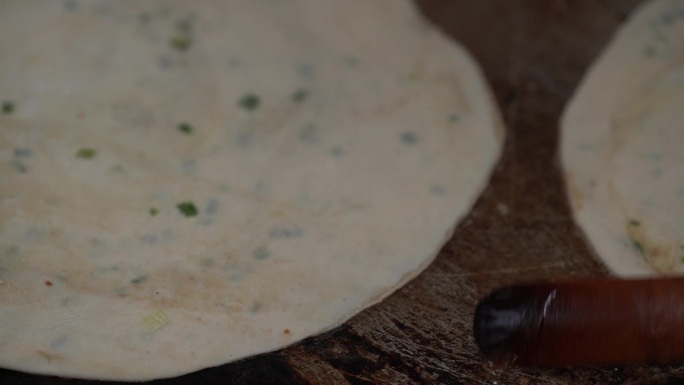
{"x":591,"y":322}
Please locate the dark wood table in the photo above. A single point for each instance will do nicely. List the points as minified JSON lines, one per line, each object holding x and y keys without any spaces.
{"x":533,"y":52}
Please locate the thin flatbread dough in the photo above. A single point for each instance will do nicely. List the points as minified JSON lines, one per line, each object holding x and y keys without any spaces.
{"x":622,"y":145}
{"x":187,"y":183}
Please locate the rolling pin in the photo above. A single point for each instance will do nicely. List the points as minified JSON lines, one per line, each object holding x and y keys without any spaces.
{"x":593,"y":322}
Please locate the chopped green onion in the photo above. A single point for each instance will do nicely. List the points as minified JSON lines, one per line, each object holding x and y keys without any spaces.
{"x":184,"y":26}
{"x":250,"y":102}
{"x":139,"y":280}
{"x":187,"y":208}
{"x":181,"y":42}
{"x":185,"y":128}
{"x":154,"y":211}
{"x":300,"y":96}
{"x":153,"y":321}
{"x":86,"y":153}
{"x":7,"y":107}
{"x":638,"y":246}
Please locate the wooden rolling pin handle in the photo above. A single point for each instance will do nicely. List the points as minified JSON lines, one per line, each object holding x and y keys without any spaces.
{"x":583,"y":323}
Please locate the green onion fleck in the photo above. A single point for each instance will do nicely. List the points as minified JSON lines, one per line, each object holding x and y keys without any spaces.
{"x":649,"y":51}
{"x":409,"y":138}
{"x":139,"y":280}
{"x":185,"y":128}
{"x":86,"y":153}
{"x":638,"y":246}
{"x":154,"y":211}
{"x":154,"y":321}
{"x":634,"y":222}
{"x":249,"y":102}
{"x":299,"y":96}
{"x":181,"y":42}
{"x":187,"y":208}
{"x":184,"y":26}
{"x":7,"y":107}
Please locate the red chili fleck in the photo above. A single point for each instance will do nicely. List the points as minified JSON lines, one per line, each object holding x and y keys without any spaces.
{"x":48,"y":283}
{"x":286,"y":331}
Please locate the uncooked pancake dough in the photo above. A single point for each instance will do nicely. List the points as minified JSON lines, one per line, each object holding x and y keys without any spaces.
{"x":187,"y":183}
{"x":622,"y":145}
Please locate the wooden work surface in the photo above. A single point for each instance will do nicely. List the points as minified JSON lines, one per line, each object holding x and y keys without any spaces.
{"x":533,"y":53}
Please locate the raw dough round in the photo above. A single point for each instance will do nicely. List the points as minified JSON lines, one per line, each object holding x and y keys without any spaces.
{"x":622,"y":139}
{"x":187,"y":183}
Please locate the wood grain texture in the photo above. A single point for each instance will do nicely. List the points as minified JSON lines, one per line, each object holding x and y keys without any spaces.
{"x":533,"y":52}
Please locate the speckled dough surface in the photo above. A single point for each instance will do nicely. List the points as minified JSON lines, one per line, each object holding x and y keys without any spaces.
{"x":622,"y":145}
{"x":184,"y":184}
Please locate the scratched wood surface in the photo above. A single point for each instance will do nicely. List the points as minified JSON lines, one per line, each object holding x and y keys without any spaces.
{"x":533,"y":52}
